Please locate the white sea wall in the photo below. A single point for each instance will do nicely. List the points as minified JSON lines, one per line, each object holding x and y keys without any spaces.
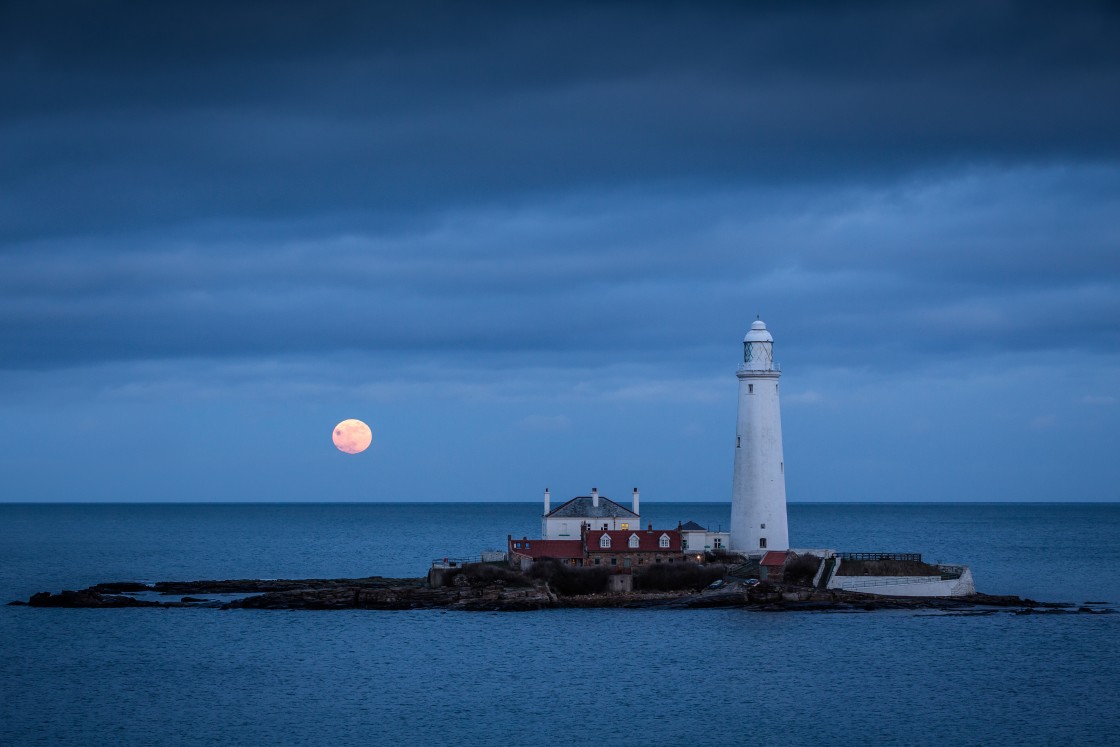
{"x":908,"y":586}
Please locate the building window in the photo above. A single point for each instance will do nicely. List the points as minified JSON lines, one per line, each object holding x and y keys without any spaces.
{"x":738,"y":441}
{"x":761,"y":526}
{"x":614,"y":561}
{"x":564,"y":529}
{"x":783,"y":466}
{"x":750,"y":388}
{"x":762,"y":542}
{"x":626,"y":562}
{"x":684,"y":544}
{"x":664,"y":541}
{"x":633,"y":540}
{"x":625,"y":526}
{"x":526,"y":545}
{"x":717,"y":543}
{"x":516,"y":545}
{"x":596,"y":561}
{"x":605,"y":541}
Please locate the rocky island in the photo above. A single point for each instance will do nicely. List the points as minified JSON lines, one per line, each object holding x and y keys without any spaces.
{"x":487,"y":588}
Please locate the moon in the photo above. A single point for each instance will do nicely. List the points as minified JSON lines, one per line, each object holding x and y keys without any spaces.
{"x":352,"y":436}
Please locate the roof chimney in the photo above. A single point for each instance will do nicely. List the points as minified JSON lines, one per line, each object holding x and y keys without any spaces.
{"x":547,"y":501}
{"x":635,"y":508}
{"x":595,"y":497}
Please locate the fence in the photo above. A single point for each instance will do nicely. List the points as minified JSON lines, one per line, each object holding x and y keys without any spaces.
{"x":916,"y":556}
{"x":451,"y":562}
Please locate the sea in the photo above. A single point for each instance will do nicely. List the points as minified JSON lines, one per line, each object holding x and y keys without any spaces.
{"x":556,"y":677}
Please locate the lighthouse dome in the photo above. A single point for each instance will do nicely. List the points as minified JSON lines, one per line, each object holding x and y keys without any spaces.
{"x":758,"y":333}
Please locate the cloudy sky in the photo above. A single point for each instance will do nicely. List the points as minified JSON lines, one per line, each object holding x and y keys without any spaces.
{"x":523,"y":241}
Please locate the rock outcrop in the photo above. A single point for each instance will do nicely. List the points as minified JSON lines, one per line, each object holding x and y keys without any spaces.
{"x":377,"y":593}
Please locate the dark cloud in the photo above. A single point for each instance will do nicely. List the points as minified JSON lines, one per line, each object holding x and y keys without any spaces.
{"x":121,"y":116}
{"x":242,"y":180}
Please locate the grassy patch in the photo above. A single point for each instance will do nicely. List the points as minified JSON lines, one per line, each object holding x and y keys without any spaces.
{"x":568,"y":581}
{"x":887,"y":568}
{"x":480,"y":574}
{"x":801,"y":569}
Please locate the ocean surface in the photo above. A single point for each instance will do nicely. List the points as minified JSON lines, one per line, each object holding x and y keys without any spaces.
{"x":570,"y":677}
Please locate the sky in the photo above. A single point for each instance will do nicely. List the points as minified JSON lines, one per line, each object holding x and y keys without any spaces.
{"x":523,"y":242}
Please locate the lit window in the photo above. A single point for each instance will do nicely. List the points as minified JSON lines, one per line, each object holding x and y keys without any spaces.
{"x":605,"y":541}
{"x":633,"y":540}
{"x":762,"y":542}
{"x":664,"y":541}
{"x":625,"y":526}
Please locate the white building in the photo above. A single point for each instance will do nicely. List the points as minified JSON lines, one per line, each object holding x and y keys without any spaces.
{"x":697,"y":540}
{"x":758,"y":491}
{"x":598,"y":511}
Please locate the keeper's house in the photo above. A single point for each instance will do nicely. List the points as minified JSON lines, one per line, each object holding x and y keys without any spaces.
{"x":619,"y":549}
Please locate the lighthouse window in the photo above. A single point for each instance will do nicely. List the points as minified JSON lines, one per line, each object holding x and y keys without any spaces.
{"x":762,"y":542}
{"x":750,"y":388}
{"x":762,"y":526}
{"x":738,"y":441}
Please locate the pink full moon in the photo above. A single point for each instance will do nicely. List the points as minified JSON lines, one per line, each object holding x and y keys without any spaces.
{"x":352,"y":436}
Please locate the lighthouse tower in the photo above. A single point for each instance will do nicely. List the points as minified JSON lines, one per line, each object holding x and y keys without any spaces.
{"x":758,"y":492}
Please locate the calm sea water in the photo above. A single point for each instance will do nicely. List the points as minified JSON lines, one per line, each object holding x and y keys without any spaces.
{"x":612,"y":677}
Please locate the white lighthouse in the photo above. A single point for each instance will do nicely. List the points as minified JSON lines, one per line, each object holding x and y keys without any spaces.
{"x":758,"y":491}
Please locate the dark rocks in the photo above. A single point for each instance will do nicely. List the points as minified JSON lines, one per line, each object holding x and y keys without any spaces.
{"x":120,"y":587}
{"x":495,"y":597}
{"x":378,"y":593}
{"x":86,"y":598}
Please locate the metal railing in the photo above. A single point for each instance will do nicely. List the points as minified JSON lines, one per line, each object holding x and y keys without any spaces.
{"x":915,"y":556}
{"x":451,"y":562}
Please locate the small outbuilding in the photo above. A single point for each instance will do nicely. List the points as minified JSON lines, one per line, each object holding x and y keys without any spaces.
{"x":773,"y":564}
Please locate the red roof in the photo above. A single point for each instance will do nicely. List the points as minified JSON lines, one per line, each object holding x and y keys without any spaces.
{"x":774,"y":558}
{"x":535,"y":548}
{"x":648,"y":540}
